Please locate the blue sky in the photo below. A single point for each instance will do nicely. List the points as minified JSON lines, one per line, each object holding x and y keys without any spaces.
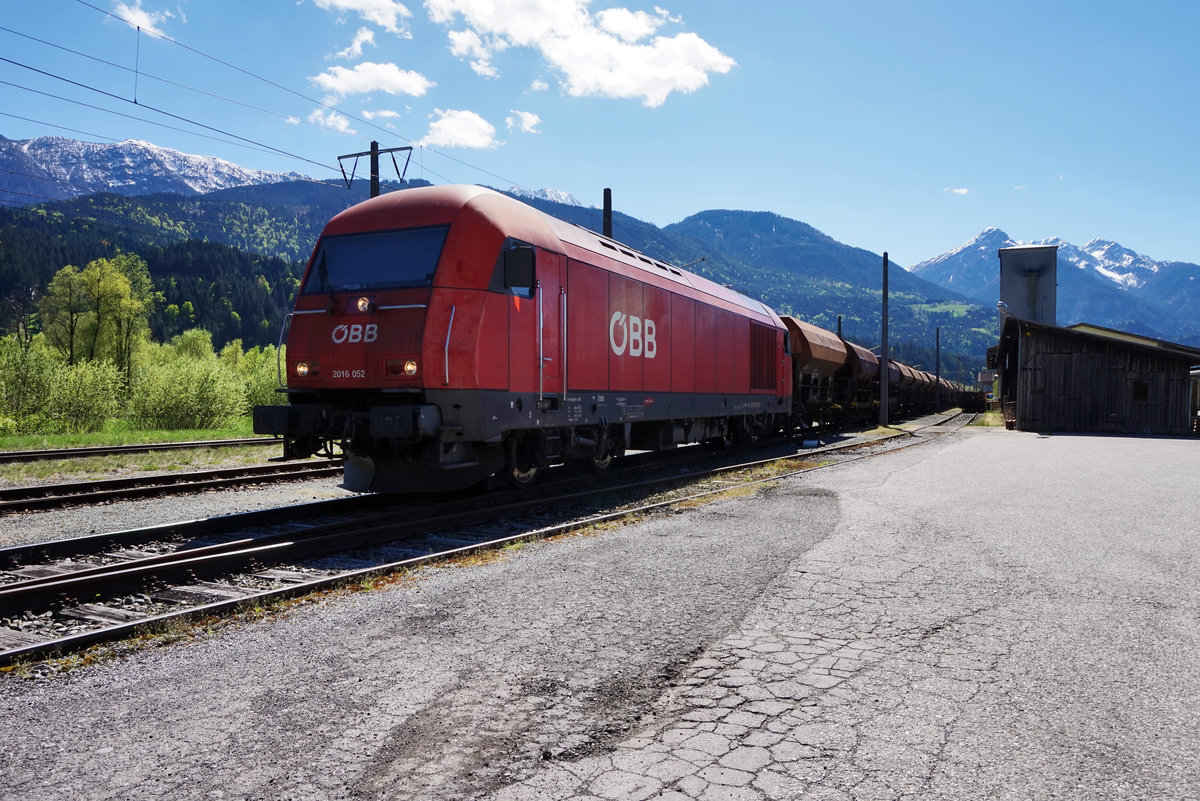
{"x":900,"y":126}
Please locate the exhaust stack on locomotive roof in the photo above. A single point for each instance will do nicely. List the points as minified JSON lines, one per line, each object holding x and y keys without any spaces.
{"x":607,"y":220}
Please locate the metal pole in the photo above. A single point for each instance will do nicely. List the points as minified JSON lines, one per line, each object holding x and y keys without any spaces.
{"x":606,"y":220}
{"x":883,"y":351}
{"x":937,"y":372}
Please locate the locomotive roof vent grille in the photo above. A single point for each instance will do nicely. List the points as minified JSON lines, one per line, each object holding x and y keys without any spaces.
{"x":639,"y":256}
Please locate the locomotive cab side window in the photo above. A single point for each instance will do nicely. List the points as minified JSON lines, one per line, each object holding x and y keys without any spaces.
{"x":376,"y":260}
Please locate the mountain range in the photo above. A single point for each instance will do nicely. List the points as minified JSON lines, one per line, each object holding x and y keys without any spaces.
{"x":79,"y":201}
{"x":56,"y":168}
{"x":1100,"y":282}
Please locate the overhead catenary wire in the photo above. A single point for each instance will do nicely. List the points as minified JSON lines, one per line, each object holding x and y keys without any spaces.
{"x":60,"y":127}
{"x":164,"y":112}
{"x":302,"y":96}
{"x":122,"y":114}
{"x":177,"y":85}
{"x":198,"y":227}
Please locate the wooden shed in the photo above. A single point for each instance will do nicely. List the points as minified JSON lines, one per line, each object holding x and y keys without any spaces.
{"x":1091,"y":379}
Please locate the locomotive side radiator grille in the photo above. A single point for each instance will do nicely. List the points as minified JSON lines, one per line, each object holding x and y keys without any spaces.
{"x":762,"y":357}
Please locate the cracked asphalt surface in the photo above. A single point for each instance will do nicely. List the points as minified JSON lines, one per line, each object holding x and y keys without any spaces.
{"x":991,"y":615}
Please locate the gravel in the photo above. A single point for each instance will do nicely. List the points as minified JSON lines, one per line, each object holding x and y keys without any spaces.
{"x":449,"y":685}
{"x":16,"y":529}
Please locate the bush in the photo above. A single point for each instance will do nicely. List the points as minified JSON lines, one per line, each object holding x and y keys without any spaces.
{"x":185,"y":394}
{"x":84,"y":397}
{"x":26,"y":380}
{"x":41,"y":395}
{"x":195,"y":344}
{"x":260,"y":370}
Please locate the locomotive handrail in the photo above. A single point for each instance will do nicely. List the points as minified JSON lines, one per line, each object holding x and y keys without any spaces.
{"x":287,"y":318}
{"x":404,"y":306}
{"x":446,"y":350}
{"x":541,"y":351}
{"x":563,"y":328}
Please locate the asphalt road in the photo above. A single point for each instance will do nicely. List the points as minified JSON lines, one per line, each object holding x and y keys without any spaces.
{"x":992,"y":615}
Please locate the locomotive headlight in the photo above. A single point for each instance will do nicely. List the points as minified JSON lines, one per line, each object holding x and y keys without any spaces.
{"x":400,"y":368}
{"x":364,"y":305}
{"x":308,"y":369}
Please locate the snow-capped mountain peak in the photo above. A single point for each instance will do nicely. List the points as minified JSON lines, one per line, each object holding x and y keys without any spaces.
{"x":64,"y":168}
{"x":1101,"y":282}
{"x":553,"y":195}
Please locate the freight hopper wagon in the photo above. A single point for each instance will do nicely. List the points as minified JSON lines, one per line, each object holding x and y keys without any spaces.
{"x":442,"y":335}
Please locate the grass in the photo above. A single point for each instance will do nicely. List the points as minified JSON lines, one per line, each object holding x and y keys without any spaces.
{"x":103,"y":467}
{"x":990,"y":418}
{"x":120,"y":432}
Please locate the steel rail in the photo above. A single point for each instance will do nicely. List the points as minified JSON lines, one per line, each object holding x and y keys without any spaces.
{"x":349,"y":535}
{"x":50,"y":496}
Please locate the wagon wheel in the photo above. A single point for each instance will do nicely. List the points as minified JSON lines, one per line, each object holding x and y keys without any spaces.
{"x":599,"y":464}
{"x":723,"y":442}
{"x":610,"y":444}
{"x":521,"y":464}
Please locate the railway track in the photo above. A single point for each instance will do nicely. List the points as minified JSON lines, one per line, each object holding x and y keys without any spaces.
{"x":53,"y":496}
{"x":12,"y":457}
{"x":61,"y":596}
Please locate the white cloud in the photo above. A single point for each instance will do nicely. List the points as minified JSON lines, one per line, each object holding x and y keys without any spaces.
{"x":466,"y":44}
{"x":630,"y":25}
{"x":1019,"y":187}
{"x":363,"y":37}
{"x":609,"y":54}
{"x":956,"y":191}
{"x":370,"y":77}
{"x":538,"y":85}
{"x":525,"y":121}
{"x":331,"y":120}
{"x":459,"y":129}
{"x":382,"y":114}
{"x":387,"y":14}
{"x":135,"y":15}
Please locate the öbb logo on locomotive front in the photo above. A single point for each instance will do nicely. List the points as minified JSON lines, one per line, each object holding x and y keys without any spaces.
{"x":355,"y":333}
{"x":637,"y":335}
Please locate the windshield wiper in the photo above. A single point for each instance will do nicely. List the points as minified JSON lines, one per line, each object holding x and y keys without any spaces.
{"x":323,"y":274}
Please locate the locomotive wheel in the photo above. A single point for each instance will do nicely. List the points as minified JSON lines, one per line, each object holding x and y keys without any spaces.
{"x":721,"y":443}
{"x":521,"y":465}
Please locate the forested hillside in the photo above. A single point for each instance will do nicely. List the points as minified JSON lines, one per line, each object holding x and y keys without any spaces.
{"x":227,"y":262}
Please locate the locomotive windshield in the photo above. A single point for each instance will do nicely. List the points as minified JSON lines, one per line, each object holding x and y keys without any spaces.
{"x":377,"y":260}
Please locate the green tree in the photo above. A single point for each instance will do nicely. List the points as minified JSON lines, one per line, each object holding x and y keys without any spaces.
{"x":107,"y":289}
{"x":64,"y":308}
{"x":131,"y":313}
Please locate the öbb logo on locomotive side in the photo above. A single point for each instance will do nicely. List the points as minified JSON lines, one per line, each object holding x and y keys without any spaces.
{"x":355,"y":333}
{"x":637,"y":335}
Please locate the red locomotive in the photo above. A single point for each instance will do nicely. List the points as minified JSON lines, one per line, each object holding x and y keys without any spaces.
{"x":445,"y":334}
